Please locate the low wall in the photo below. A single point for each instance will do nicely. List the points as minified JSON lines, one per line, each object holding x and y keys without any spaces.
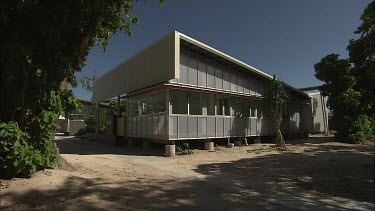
{"x":75,"y":126}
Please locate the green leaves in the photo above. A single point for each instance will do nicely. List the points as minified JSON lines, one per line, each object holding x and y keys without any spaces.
{"x":350,"y":83}
{"x":18,"y":158}
{"x":275,"y":97}
{"x":42,"y":45}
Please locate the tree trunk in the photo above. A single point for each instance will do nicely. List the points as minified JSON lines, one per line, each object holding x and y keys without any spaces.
{"x":279,"y":136}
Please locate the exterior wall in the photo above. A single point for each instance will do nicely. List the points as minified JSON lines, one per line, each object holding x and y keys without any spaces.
{"x":147,"y":116}
{"x":75,"y":126}
{"x":231,"y":116}
{"x":151,"y":126}
{"x":202,"y":127}
{"x":198,"y":71}
{"x":317,"y":113}
{"x":154,"y":65}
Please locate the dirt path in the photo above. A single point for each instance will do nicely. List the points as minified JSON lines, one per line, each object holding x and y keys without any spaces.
{"x":313,"y":174}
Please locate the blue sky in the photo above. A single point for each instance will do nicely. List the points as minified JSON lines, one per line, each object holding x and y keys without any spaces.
{"x":285,"y":37}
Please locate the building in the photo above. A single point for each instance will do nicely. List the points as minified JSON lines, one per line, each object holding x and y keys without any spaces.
{"x":182,"y":89}
{"x":76,"y":121}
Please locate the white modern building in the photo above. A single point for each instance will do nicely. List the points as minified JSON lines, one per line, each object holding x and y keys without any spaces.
{"x":182,"y":89}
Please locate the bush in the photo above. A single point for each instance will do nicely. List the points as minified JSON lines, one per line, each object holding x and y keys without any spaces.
{"x":23,"y":154}
{"x":361,"y":129}
{"x":42,"y":136}
{"x":18,"y":158}
{"x":183,"y":149}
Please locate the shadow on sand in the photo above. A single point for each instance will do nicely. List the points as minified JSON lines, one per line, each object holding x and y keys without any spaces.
{"x":322,"y":178}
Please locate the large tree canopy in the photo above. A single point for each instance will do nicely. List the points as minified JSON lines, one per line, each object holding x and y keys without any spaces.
{"x":42,"y":44}
{"x":350,"y":83}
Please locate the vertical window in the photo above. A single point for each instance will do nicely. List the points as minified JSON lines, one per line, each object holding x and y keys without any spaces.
{"x":219,"y":105}
{"x":208,"y":104}
{"x":143,"y":105}
{"x":195,"y":107}
{"x":211,"y":105}
{"x":204,"y":101}
{"x":226,"y":106}
{"x":237,"y":106}
{"x":253,"y":108}
{"x":246,"y":108}
{"x":260,"y":109}
{"x":159,"y":102}
{"x":150,"y":105}
{"x":179,"y":102}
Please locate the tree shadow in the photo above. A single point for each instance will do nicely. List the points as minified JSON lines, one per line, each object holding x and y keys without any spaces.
{"x":85,"y":147}
{"x":327,"y":177}
{"x":79,"y":193}
{"x":322,"y":178}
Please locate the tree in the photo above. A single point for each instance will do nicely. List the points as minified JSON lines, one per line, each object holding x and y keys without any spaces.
{"x":275,"y":100}
{"x":42,"y":44}
{"x":350,"y":83}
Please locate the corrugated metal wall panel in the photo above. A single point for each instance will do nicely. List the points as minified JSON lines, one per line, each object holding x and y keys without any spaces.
{"x":153,"y":65}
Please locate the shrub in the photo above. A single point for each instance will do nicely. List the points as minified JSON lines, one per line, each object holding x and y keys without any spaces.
{"x":361,"y":129}
{"x":18,"y":158}
{"x":42,"y":136}
{"x":23,"y":154}
{"x":184,"y":149}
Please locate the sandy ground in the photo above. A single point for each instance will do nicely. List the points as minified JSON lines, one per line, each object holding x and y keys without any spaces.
{"x":314,"y":174}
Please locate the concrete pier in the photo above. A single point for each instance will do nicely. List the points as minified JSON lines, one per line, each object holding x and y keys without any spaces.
{"x":170,"y":150}
{"x":244,"y":141}
{"x":209,"y":146}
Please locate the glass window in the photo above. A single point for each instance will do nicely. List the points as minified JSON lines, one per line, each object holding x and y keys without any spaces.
{"x":159,"y":102}
{"x":195,"y":107}
{"x":226,"y":106}
{"x":204,"y":101}
{"x":211,"y":105}
{"x":142,"y":106}
{"x":131,"y":107}
{"x":219,"y":105}
{"x":208,"y":104}
{"x":236,"y":106}
{"x":253,"y":107}
{"x":179,"y":102}
{"x":150,"y":105}
{"x":246,"y":108}
{"x":260,"y":109}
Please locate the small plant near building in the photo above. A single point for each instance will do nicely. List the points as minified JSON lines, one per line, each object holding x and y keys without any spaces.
{"x":183,"y":149}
